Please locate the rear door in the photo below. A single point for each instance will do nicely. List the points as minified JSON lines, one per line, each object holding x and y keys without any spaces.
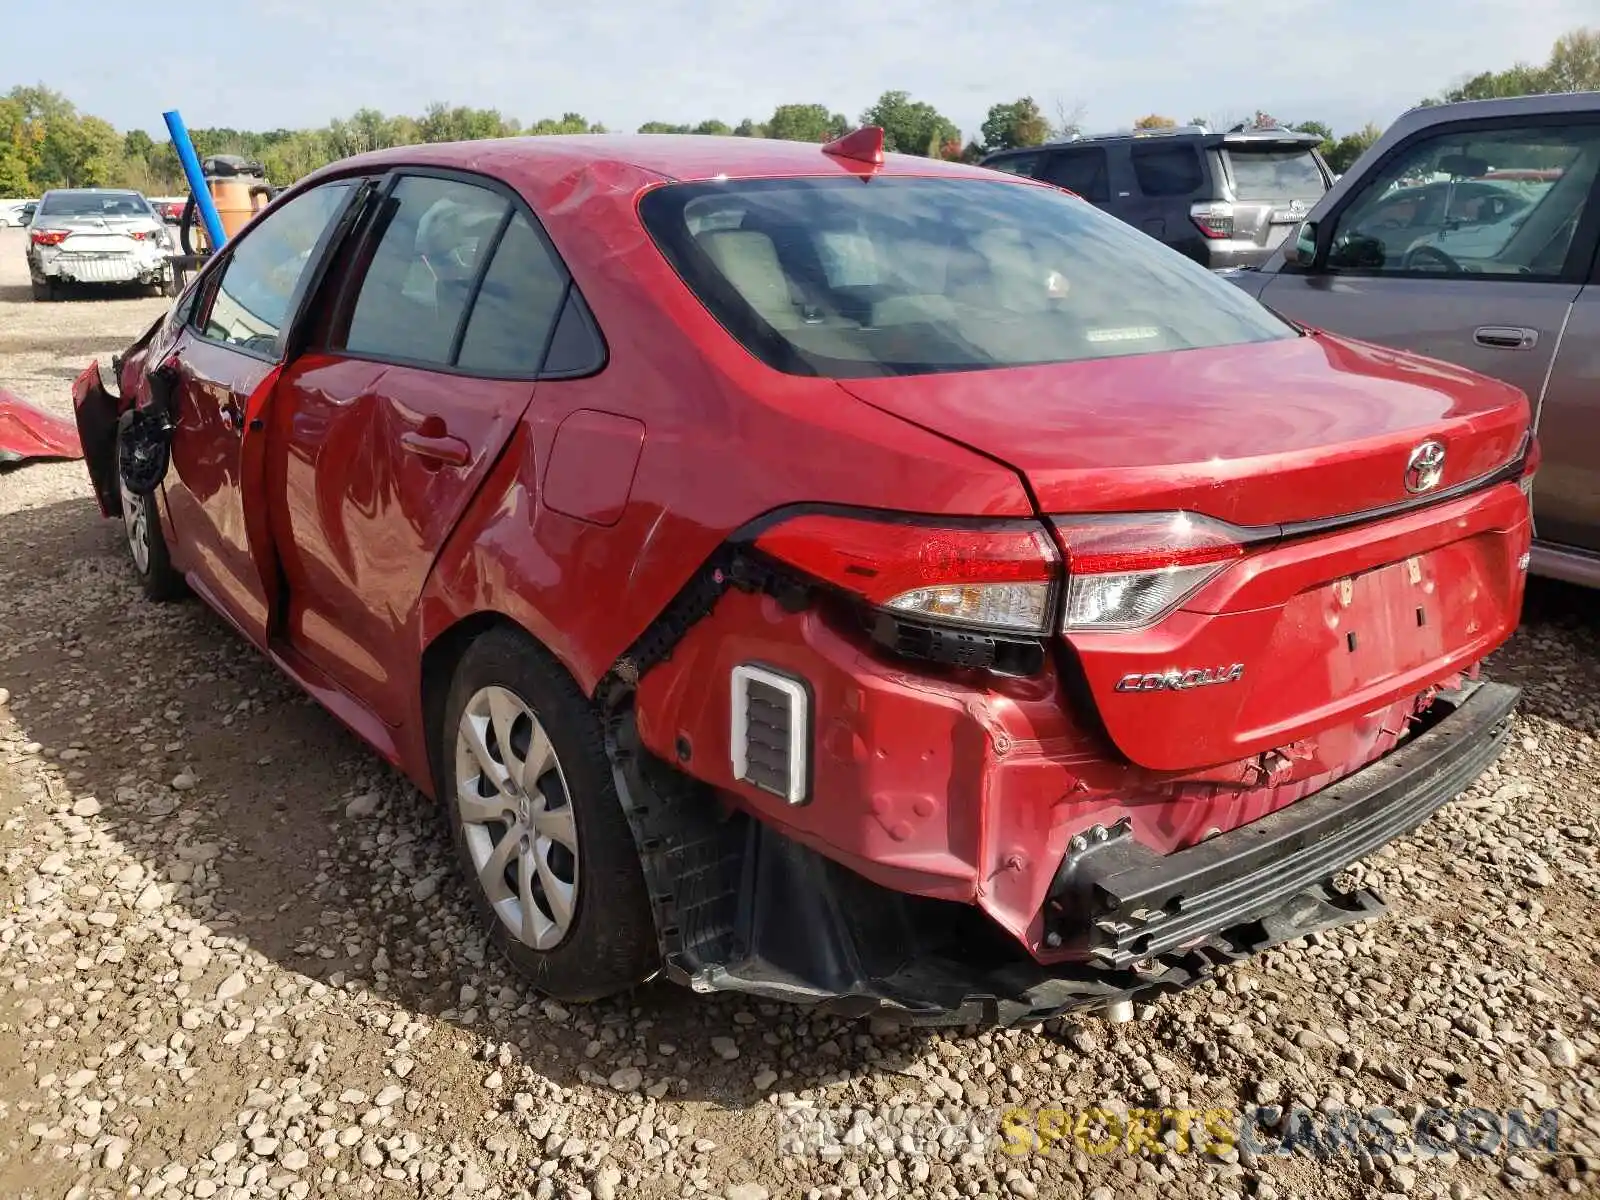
{"x":227,"y":355}
{"x":1084,"y":170}
{"x":1567,"y":490}
{"x":1168,"y":176}
{"x":1495,"y":296}
{"x":381,"y":436}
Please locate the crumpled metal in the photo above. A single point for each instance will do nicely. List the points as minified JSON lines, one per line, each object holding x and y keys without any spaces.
{"x":28,"y":432}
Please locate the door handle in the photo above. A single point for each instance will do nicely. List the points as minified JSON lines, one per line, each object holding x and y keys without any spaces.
{"x":1505,"y":337}
{"x":439,"y":448}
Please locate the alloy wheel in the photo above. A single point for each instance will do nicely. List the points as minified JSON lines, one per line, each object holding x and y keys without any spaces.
{"x":136,"y":523}
{"x":517,"y":818}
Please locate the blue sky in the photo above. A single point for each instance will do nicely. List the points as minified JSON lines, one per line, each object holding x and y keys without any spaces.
{"x":303,"y":62}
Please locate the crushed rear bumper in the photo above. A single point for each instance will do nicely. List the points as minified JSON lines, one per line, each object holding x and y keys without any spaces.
{"x":740,"y":907}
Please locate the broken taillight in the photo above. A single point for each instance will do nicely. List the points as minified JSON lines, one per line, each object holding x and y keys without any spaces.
{"x":49,"y":237}
{"x":1129,"y":571}
{"x":1000,"y":578}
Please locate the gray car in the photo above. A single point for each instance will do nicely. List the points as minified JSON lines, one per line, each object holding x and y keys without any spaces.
{"x":1224,"y":199}
{"x":1468,"y":233}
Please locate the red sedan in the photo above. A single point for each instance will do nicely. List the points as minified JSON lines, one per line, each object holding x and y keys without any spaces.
{"x":832,"y":576}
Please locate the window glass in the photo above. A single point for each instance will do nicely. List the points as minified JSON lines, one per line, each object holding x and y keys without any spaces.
{"x":516,"y":306}
{"x":1489,"y":202}
{"x":422,"y":273}
{"x":258,"y":283}
{"x":1267,"y":174}
{"x":1015,"y":164}
{"x":917,"y":275}
{"x":1080,"y":171}
{"x":94,"y":204}
{"x":1167,"y":170}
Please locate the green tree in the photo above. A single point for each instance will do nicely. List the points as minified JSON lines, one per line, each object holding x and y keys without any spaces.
{"x":713,"y":128}
{"x":911,"y":126}
{"x":662,"y":127}
{"x":1155,"y":121}
{"x":748,"y":128}
{"x":1350,"y":147}
{"x":1019,"y":123}
{"x":1574,"y":64}
{"x":804,"y":123}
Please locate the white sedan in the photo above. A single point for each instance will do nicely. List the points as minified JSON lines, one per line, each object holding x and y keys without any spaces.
{"x":96,"y":235}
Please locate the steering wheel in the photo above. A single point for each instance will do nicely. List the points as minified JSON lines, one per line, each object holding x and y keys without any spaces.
{"x":1429,"y":258}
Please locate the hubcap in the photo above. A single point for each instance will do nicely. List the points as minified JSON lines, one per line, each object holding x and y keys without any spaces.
{"x":135,"y":520}
{"x":516,"y":814}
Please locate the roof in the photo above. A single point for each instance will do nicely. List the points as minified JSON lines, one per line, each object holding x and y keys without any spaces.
{"x":665,"y":155}
{"x":1214,"y":137}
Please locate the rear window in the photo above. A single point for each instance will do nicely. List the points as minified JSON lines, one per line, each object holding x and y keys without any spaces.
{"x":94,"y":204}
{"x":900,"y":276}
{"x":1274,"y":174}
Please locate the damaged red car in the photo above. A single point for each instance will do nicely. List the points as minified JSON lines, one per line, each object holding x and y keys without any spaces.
{"x":852,"y":579}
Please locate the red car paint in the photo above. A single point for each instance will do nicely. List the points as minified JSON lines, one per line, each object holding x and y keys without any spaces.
{"x":369,"y":516}
{"x":28,"y":432}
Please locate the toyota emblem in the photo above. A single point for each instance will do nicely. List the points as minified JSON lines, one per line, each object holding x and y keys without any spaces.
{"x":1425,"y":468}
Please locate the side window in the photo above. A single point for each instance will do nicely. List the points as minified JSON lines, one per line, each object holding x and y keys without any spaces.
{"x":1016,"y":164}
{"x":516,"y":306}
{"x":252,"y":297}
{"x":1081,"y":171}
{"x":1499,"y":202}
{"x":422,"y":273}
{"x":1167,"y":170}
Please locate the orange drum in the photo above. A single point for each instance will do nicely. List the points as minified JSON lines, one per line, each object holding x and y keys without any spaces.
{"x":237,"y":199}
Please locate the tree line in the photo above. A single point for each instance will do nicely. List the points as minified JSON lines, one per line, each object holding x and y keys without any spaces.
{"x":46,"y":142}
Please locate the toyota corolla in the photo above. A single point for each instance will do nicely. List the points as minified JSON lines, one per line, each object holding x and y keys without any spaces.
{"x":834,"y":576}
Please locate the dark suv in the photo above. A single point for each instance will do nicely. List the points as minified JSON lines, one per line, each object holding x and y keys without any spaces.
{"x":1223,"y":199}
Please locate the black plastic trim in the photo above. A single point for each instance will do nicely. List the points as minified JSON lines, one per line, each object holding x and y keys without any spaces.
{"x":1139,"y":903}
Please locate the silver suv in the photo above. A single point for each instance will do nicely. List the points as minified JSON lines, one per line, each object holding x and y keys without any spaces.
{"x":1223,"y":199}
{"x":1468,"y":233}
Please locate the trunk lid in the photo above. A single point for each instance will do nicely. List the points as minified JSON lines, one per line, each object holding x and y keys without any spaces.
{"x":1314,"y":624}
{"x":1264,"y":434}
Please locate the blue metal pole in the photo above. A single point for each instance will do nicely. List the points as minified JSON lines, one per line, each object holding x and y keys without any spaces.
{"x":197,"y":179}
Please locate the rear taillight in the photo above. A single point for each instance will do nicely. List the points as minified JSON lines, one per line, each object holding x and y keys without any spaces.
{"x":140,"y":235}
{"x":1213,"y":220}
{"x":49,"y":237}
{"x":1129,"y":571}
{"x":999,"y":578}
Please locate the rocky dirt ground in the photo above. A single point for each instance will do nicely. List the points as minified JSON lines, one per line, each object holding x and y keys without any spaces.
{"x":235,"y":962}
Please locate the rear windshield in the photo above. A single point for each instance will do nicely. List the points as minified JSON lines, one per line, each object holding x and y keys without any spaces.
{"x":1275,"y":174}
{"x":902,"y":276}
{"x":94,"y":204}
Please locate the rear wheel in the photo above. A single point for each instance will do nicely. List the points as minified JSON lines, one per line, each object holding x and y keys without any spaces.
{"x":147,"y":546}
{"x":45,"y":289}
{"x":548,"y":856}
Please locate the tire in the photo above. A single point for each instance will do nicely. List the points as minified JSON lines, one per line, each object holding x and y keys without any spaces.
{"x":607,"y":944}
{"x":44,"y":290}
{"x":147,"y":545}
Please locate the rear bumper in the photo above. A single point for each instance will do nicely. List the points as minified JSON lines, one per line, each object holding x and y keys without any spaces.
{"x":741,"y":907}
{"x":1123,"y":902}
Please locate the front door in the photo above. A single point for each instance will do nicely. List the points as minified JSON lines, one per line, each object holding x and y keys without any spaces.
{"x":1470,"y":243}
{"x":379,"y":438}
{"x":225,"y":361}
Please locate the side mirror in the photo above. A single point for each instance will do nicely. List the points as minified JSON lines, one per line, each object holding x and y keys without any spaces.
{"x":1301,"y":249}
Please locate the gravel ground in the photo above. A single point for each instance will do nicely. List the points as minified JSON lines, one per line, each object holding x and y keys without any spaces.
{"x":234,"y":960}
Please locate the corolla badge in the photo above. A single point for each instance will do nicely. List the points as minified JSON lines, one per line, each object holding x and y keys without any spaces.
{"x":1180,"y":681}
{"x":1425,"y":468}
